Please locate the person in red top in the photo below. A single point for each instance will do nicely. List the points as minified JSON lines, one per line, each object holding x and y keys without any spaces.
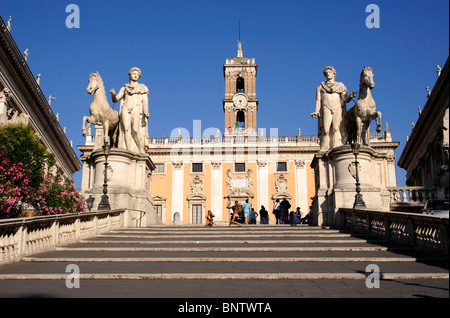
{"x":209,"y":219}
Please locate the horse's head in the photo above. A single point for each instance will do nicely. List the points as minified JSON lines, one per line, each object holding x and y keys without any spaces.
{"x":367,"y":77}
{"x":95,"y":81}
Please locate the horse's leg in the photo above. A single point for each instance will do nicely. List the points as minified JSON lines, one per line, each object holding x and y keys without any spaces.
{"x":115,"y":137}
{"x":365,"y":133}
{"x":90,"y":120}
{"x":116,"y":129}
{"x":358,"y":128}
{"x":378,"y":119}
{"x":106,"y":124}
{"x":350,"y":125}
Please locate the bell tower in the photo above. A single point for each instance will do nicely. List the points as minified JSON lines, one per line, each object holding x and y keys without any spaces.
{"x":240,"y":104}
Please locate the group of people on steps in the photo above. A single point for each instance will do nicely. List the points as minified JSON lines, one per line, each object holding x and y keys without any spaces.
{"x":245,"y":214}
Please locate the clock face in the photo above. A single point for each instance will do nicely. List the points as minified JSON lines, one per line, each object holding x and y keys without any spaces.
{"x":240,"y":100}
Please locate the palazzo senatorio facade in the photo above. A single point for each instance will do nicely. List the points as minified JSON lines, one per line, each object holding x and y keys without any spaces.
{"x":194,"y":175}
{"x":197,"y":174}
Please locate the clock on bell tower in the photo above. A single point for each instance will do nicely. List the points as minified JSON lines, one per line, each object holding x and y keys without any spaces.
{"x":240,"y":103}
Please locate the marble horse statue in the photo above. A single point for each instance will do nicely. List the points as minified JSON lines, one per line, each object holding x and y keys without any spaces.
{"x":100,"y":111}
{"x":360,"y":115}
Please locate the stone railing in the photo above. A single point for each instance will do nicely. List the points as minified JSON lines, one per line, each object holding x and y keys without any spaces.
{"x":244,"y":139}
{"x":25,"y":236}
{"x":411,"y":194}
{"x":421,"y":232}
{"x":410,"y":199}
{"x":235,"y":139}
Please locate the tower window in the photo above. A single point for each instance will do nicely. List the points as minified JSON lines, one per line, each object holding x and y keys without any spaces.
{"x":240,"y":85}
{"x":240,"y":118}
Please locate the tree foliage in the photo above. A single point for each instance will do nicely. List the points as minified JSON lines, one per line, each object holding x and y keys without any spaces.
{"x":25,"y":180}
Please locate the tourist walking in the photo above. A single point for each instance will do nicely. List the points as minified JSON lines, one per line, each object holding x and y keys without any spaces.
{"x":276,"y":210}
{"x":209,"y":219}
{"x":246,"y":207}
{"x":263,"y":215}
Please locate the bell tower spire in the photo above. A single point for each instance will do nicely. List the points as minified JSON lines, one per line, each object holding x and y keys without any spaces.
{"x":240,"y":53}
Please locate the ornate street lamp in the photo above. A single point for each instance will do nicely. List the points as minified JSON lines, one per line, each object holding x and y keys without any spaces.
{"x":104,"y":201}
{"x":359,"y":202}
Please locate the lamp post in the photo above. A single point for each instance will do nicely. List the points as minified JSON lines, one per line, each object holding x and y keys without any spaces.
{"x":104,"y":201}
{"x":359,"y":202}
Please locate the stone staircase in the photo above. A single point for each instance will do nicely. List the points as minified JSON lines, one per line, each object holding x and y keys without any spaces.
{"x":252,"y":261}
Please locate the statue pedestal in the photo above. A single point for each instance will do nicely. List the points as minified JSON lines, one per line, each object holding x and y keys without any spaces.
{"x":336,"y":184}
{"x":129,"y":184}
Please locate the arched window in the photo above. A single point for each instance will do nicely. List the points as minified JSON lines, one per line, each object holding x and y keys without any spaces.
{"x":240,"y":85}
{"x":240,"y":118}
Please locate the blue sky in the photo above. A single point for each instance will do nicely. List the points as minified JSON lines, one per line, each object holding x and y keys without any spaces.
{"x":181,"y":47}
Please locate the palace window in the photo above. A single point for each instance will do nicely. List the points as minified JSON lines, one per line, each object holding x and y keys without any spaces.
{"x":240,"y":85}
{"x":159,"y":168}
{"x":239,"y":167}
{"x":281,"y":166}
{"x":197,"y":167}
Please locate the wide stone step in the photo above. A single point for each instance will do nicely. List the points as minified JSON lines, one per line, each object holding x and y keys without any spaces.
{"x":258,"y":259}
{"x":222,"y":276}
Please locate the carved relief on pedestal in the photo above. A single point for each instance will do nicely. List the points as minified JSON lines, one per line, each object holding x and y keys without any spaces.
{"x":352,"y":169}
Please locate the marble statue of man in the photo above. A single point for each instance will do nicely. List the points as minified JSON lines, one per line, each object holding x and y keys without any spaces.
{"x":133,"y":111}
{"x":331,"y":100}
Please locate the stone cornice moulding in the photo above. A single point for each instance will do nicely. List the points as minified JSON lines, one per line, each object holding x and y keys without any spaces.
{"x":24,"y":77}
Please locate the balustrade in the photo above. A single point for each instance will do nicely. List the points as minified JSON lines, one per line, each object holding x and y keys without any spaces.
{"x":422,"y":232}
{"x":242,"y":138}
{"x":411,"y":194}
{"x":25,"y":236}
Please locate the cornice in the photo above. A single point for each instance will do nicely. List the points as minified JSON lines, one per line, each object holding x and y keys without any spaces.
{"x":38,"y":102}
{"x":430,"y":114}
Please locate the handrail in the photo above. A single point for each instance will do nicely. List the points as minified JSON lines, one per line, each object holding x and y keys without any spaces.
{"x":24,"y":236}
{"x":421,"y":232}
{"x":142,"y":214}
